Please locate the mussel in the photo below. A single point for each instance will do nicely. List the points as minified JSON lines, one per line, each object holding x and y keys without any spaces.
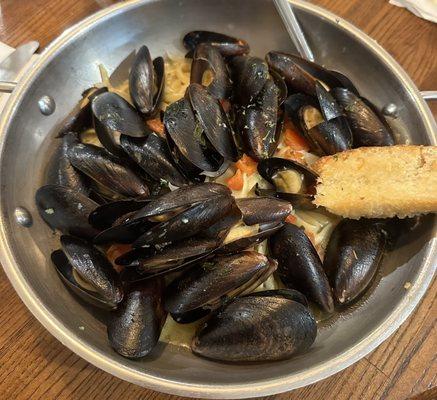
{"x":67,"y":175}
{"x":146,"y":81}
{"x":66,"y":209}
{"x":353,"y":255}
{"x":256,"y":328}
{"x":112,"y":175}
{"x":368,"y":128}
{"x":114,"y":116}
{"x":259,"y":120}
{"x":258,"y":210}
{"x":134,"y":328}
{"x":151,"y":153}
{"x":209,"y":69}
{"x":208,"y":284}
{"x":88,"y":272}
{"x":299,"y":265}
{"x":227,"y":45}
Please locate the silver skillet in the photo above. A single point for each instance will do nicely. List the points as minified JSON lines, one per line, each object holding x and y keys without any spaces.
{"x":69,"y":65}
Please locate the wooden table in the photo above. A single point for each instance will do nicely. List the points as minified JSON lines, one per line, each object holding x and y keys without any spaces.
{"x":34,"y":365}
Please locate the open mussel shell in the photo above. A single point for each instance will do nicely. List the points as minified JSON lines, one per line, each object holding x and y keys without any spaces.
{"x":213,"y":120}
{"x":146,"y":81}
{"x":188,"y":222}
{"x":368,"y":129}
{"x":290,"y":294}
{"x":328,"y":105}
{"x":92,"y":267}
{"x":287,"y":176}
{"x":234,"y":244}
{"x":249,"y":75}
{"x":259,"y":122}
{"x":208,"y":283}
{"x":66,"y":174}
{"x":152,"y":154}
{"x":104,"y":216}
{"x":183,"y":197}
{"x":325,"y":137}
{"x":112,"y":173}
{"x":259,"y":210}
{"x":256,"y":328}
{"x":187,"y":135}
{"x":114,"y":116}
{"x":227,"y":45}
{"x":82,"y":118}
{"x":294,"y":103}
{"x":353,"y":255}
{"x":65,"y":209}
{"x":134,"y":327}
{"x":80,"y":288}
{"x":282,"y":86}
{"x":209,"y":69}
{"x":291,"y":67}
{"x":299,"y":265}
{"x":297,"y":79}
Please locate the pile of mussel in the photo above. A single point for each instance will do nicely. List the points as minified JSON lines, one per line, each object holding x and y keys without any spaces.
{"x":184,"y":245}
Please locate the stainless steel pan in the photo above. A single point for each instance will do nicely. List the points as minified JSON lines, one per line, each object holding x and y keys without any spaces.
{"x":69,"y":65}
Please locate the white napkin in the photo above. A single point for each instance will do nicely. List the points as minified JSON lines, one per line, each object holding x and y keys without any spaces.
{"x":5,"y":51}
{"x":426,"y":9}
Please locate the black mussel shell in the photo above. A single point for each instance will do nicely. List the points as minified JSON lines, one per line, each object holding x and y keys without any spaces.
{"x":249,"y":75}
{"x":134,"y":328}
{"x":67,"y":175}
{"x":294,"y":103}
{"x":132,"y":257}
{"x":297,"y":79}
{"x":65,"y":271}
{"x":126,"y":230}
{"x":241,"y":243}
{"x":208,"y":58}
{"x":367,"y":128}
{"x":183,"y":197}
{"x":207,"y":283}
{"x":65,"y":209}
{"x":152,"y":154}
{"x":300,"y":201}
{"x":259,"y":210}
{"x":343,"y":81}
{"x":104,"y":216}
{"x":187,"y":134}
{"x":282,"y":86}
{"x":290,"y":294}
{"x":146,"y":81}
{"x":82,"y":119}
{"x":179,"y":254}
{"x":214,"y":121}
{"x":353,"y":255}
{"x":299,"y":265}
{"x":108,"y":171}
{"x":187,"y":223}
{"x":328,"y":105}
{"x":270,"y":167}
{"x":227,"y":45}
{"x":256,"y":328}
{"x":259,"y":131}
{"x":191,"y":316}
{"x":114,"y":116}
{"x":221,"y":228}
{"x":325,"y":137}
{"x":94,"y":268}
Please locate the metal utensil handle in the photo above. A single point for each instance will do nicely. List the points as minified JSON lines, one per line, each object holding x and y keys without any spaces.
{"x":291,"y":23}
{"x":7,"y":87}
{"x":429,"y":95}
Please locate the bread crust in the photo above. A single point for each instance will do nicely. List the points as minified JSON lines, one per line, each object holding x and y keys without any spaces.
{"x":378,"y":182}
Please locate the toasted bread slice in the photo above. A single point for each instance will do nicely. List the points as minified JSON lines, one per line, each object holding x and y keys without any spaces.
{"x":379,"y":182}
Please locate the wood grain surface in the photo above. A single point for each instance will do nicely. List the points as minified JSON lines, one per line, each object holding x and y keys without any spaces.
{"x":34,"y":365}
